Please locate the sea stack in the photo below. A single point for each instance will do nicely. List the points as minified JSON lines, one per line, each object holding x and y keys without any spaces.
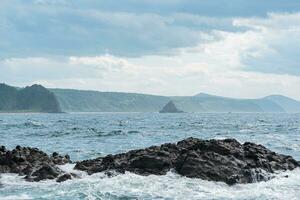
{"x":170,"y":108}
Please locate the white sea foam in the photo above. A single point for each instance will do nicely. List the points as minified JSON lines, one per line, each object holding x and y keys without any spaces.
{"x":132,"y":186}
{"x":15,"y":197}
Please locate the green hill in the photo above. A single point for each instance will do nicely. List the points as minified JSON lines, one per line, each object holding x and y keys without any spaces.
{"x":35,"y":98}
{"x":288,"y":104}
{"x":210,"y":103}
{"x":8,"y":97}
{"x":93,"y":101}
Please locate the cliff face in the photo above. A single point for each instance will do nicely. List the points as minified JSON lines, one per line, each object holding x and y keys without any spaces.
{"x":170,"y":108}
{"x":35,"y":98}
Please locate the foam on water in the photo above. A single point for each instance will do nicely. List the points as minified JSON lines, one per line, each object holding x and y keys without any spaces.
{"x":132,"y":186}
{"x":85,"y":136}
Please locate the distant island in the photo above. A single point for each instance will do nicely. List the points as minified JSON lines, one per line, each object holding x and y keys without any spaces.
{"x":37,"y":98}
{"x":170,"y":108}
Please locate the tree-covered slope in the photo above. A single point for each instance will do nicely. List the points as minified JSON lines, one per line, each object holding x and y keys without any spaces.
{"x":93,"y":101}
{"x":210,"y":103}
{"x":8,"y":97}
{"x":35,"y":98}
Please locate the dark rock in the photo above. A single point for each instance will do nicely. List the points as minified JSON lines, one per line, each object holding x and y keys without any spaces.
{"x":54,"y":154}
{"x":59,"y":159}
{"x":215,"y":160}
{"x":32,"y":163}
{"x":170,"y":108}
{"x":2,"y":148}
{"x":44,"y":172}
{"x":113,"y":173}
{"x":63,"y":178}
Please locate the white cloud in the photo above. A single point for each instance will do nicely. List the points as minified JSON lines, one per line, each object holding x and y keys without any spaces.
{"x":105,"y":63}
{"x":251,"y":63}
{"x":274,"y":46}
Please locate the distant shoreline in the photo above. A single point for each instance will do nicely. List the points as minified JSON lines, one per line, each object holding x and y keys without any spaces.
{"x":28,"y":112}
{"x":108,"y":112}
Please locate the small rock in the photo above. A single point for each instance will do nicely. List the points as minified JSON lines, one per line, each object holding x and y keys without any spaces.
{"x":45,"y":172}
{"x":63,"y":178}
{"x":54,"y":154}
{"x":2,"y":148}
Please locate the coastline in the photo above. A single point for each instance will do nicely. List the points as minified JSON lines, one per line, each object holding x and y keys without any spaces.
{"x":28,"y":112}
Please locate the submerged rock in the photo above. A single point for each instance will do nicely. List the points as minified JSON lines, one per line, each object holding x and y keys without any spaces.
{"x":214,"y":160}
{"x":170,"y":108}
{"x":32,"y":163}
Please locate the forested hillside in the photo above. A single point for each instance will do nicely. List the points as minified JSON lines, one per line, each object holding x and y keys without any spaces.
{"x":35,"y":98}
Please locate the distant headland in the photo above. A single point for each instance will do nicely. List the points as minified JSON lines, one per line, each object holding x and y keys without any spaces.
{"x":37,"y":98}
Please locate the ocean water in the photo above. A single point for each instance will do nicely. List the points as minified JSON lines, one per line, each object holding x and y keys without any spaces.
{"x":90,"y":135}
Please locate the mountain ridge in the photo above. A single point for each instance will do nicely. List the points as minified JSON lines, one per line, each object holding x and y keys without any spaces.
{"x":73,"y":100}
{"x":136,"y":102}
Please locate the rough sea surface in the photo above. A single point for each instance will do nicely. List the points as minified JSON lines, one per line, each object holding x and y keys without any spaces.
{"x":90,"y":135}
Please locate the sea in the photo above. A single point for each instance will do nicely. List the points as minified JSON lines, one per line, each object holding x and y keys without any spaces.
{"x":90,"y":135}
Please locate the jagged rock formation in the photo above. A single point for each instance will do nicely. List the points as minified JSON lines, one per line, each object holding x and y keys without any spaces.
{"x":170,"y":108}
{"x":35,"y":98}
{"x":32,"y":163}
{"x":214,"y":160}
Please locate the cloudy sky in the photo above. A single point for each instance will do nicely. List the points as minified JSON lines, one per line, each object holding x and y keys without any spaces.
{"x":236,"y":48}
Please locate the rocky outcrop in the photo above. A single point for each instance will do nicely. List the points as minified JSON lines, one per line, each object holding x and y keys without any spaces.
{"x":170,"y":108}
{"x":32,"y":163}
{"x":214,"y":160}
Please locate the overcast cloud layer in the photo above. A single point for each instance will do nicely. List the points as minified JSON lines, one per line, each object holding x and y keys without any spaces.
{"x":233,"y":48}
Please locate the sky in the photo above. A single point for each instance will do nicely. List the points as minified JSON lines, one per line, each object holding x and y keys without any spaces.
{"x":236,"y":48}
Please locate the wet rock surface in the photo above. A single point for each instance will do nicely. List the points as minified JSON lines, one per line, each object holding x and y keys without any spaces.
{"x":32,"y":163}
{"x":214,"y":160}
{"x":64,"y":177}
